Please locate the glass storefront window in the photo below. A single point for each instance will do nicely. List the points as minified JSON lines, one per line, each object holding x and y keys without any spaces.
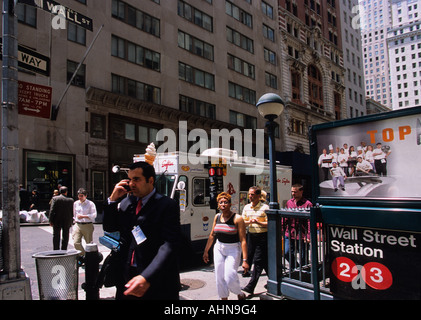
{"x":46,"y":172}
{"x":98,"y":185}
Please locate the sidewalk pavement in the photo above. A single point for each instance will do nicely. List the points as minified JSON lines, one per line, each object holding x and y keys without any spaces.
{"x":198,"y":284}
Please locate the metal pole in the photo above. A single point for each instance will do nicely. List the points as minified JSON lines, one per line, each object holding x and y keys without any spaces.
{"x":273,"y":204}
{"x":314,"y":255}
{"x":13,"y":282}
{"x":274,"y":235}
{"x":9,"y":145}
{"x":92,"y":260}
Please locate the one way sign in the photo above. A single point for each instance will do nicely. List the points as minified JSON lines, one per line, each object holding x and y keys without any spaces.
{"x":31,"y":60}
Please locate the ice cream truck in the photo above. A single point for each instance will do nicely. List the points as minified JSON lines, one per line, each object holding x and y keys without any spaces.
{"x":195,"y":181}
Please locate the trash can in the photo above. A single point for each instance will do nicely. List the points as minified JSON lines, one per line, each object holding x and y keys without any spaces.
{"x":57,"y":273}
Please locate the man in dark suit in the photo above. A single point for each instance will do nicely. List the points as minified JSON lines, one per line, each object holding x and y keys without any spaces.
{"x":149,"y":226}
{"x":61,"y":218}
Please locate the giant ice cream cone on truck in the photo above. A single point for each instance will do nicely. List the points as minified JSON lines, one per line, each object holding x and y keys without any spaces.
{"x":150,"y":154}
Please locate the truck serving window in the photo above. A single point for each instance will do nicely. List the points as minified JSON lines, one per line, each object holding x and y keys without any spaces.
{"x":201,"y":195}
{"x":164,"y":184}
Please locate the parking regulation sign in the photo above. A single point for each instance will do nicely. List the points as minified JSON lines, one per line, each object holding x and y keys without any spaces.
{"x":34,"y":100}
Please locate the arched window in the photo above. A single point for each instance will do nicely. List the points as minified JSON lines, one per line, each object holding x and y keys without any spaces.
{"x":315,"y":87}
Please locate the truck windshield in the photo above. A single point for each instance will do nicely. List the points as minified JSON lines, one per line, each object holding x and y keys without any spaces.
{"x":164,"y":184}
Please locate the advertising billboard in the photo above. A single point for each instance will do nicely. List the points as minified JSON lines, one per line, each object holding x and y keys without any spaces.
{"x":372,"y":157}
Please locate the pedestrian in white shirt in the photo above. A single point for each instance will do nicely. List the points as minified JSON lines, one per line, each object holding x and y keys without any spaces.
{"x":84,"y":214}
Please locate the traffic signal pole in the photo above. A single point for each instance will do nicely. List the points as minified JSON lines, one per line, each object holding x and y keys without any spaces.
{"x":13,"y":283}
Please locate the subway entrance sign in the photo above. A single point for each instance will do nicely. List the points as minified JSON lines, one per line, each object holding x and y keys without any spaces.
{"x":368,"y":262}
{"x":372,"y":218}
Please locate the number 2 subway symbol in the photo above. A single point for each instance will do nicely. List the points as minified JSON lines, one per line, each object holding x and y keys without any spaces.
{"x":374,"y":274}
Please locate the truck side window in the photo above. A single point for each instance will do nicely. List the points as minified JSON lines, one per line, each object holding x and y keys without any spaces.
{"x":201,"y":191}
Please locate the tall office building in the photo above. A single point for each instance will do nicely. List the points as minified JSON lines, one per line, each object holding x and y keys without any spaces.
{"x":404,"y":42}
{"x":375,"y":19}
{"x":155,"y":64}
{"x":353,"y":61}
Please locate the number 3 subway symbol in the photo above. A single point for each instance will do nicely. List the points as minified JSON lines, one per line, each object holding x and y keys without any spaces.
{"x":375,"y":274}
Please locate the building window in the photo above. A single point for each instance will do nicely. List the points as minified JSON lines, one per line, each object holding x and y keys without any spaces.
{"x":136,"y":54}
{"x":130,"y":132}
{"x":195,"y":16}
{"x":195,"y":45}
{"x":267,"y":9}
{"x":45,"y":172}
{"x":27,"y":14}
{"x":79,"y":79}
{"x":243,"y":120}
{"x":135,"y":89}
{"x":240,"y":40}
{"x":270,"y":56}
{"x":296,"y":86}
{"x":196,"y":76}
{"x":298,"y":126}
{"x":135,"y":18}
{"x":98,"y":126}
{"x":271,"y":80}
{"x":98,"y":185}
{"x":76,"y":33}
{"x":241,"y":93}
{"x":315,"y":86}
{"x":241,"y":66}
{"x":198,"y":107}
{"x":238,"y":14}
{"x":337,"y":101}
{"x":268,"y":33}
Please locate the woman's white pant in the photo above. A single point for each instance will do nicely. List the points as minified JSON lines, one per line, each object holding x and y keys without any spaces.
{"x":227,"y":257}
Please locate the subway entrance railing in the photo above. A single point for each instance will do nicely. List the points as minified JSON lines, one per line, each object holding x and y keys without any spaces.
{"x":301,"y":258}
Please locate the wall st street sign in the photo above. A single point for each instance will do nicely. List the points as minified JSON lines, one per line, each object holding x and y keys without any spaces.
{"x":67,"y":13}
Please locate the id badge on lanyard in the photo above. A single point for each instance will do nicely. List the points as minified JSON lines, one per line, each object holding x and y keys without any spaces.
{"x":138,"y":235}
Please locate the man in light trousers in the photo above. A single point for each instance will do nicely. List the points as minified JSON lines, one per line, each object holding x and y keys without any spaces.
{"x":84,"y":214}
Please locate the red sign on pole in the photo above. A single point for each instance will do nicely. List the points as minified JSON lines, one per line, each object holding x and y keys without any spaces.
{"x":34,"y":100}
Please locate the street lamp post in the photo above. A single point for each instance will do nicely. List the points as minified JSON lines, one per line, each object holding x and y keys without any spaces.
{"x":270,"y":107}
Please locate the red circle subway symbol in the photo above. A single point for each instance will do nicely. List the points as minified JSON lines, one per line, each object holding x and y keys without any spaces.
{"x":344,"y":269}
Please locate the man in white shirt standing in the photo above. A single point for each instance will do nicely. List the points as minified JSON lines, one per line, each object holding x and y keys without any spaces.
{"x":84,"y":214}
{"x":324,"y":162}
{"x":380,"y":163}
